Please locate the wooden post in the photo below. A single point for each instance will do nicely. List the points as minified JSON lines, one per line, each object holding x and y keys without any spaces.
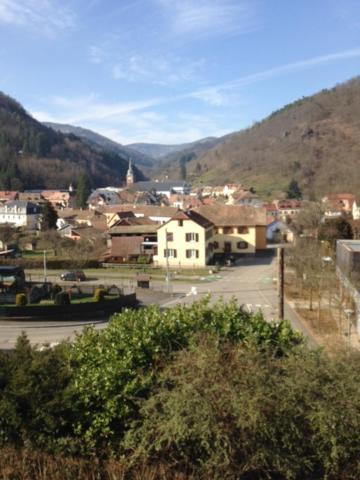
{"x":280,"y":256}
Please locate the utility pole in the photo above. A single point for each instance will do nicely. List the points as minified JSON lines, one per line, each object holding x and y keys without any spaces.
{"x":45,"y":266}
{"x":167,"y":262}
{"x":348,"y":312}
{"x":280,"y":257}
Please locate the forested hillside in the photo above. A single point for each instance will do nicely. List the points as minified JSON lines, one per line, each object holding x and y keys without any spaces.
{"x":34,"y":156}
{"x":315,"y":140}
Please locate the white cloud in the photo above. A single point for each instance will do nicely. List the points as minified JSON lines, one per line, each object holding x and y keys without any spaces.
{"x":141,"y":121}
{"x":211,"y":94}
{"x":130,"y":122}
{"x":77,"y":110}
{"x":44,"y":16}
{"x":157,"y":69}
{"x":199,"y":17}
{"x":97,"y":54}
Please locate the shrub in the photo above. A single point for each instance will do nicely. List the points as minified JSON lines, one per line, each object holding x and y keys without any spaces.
{"x":224,"y":411}
{"x":62,"y":298}
{"x":126,"y":356}
{"x":21,"y":300}
{"x":99,"y":294}
{"x":54,"y":290}
{"x":143,"y":260}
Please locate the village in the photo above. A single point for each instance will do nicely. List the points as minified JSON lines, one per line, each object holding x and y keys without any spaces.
{"x":153,"y":232}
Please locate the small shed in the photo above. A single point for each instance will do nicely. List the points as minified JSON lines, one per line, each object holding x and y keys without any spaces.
{"x":143,"y":280}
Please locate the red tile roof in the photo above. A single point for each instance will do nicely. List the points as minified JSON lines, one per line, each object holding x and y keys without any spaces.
{"x":233,"y":215}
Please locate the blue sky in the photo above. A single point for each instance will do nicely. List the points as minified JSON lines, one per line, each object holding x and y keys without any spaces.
{"x":171,"y":71}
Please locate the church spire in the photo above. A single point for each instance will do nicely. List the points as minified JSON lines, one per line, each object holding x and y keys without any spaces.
{"x":130,"y":174}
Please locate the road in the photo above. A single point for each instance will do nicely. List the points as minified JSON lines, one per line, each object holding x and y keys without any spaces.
{"x":251,"y":282}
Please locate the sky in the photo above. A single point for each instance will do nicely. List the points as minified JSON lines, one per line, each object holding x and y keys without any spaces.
{"x":172,"y":71}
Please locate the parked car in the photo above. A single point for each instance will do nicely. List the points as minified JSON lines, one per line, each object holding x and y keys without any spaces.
{"x":75,"y":276}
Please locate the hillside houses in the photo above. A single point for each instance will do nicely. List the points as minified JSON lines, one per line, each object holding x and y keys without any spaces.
{"x":337,"y":204}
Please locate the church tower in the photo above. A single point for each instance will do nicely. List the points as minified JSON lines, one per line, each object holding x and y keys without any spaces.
{"x":130,"y":175}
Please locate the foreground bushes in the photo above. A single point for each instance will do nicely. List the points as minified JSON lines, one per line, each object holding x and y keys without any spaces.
{"x":229,"y":412}
{"x":195,"y":392}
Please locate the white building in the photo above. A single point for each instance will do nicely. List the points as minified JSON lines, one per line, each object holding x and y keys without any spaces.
{"x":356,"y":209}
{"x":20,"y":214}
{"x":163,"y":188}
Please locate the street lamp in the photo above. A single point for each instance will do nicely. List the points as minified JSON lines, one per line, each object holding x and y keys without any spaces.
{"x":348,"y":312}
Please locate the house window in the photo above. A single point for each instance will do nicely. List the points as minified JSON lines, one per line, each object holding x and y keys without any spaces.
{"x":170,"y":253}
{"x":242,"y":230}
{"x":169,"y":236}
{"x":227,"y":247}
{"x":208,"y":234}
{"x":192,"y":253}
{"x":216,"y":230}
{"x":242,"y":245}
{"x":227,"y":230}
{"x":192,"y":237}
{"x":180,"y":223}
{"x":216,"y":245}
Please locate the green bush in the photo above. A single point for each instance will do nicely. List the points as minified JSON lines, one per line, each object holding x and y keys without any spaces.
{"x":21,"y":300}
{"x":143,"y":260}
{"x":54,"y":290}
{"x":116,"y":365}
{"x":99,"y":294}
{"x":222,"y":411}
{"x":201,"y":392}
{"x":62,"y":298}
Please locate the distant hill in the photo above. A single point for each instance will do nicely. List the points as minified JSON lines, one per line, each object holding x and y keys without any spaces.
{"x":315,"y":140}
{"x":158,"y":151}
{"x":35,"y":156}
{"x":97,"y":140}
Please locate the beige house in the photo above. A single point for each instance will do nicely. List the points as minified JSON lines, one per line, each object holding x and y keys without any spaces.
{"x":238,"y":229}
{"x":186,"y":240}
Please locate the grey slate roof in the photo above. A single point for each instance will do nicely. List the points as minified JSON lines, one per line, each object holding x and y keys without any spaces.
{"x":159,"y":186}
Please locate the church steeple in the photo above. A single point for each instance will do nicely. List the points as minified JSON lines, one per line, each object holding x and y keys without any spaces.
{"x":130,"y":175}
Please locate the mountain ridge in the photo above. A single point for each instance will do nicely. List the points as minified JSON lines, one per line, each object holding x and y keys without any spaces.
{"x":159,"y":151}
{"x":96,"y":139}
{"x":35,"y":156}
{"x":314,"y":140}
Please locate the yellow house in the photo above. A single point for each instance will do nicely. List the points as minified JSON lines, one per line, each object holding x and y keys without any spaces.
{"x":186,"y":240}
{"x":238,"y":229}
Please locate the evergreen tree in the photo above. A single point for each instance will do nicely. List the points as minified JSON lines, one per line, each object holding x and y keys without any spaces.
{"x":335,"y":229}
{"x":49,"y":217}
{"x":83,"y":190}
{"x":183,"y":172}
{"x":293,"y":190}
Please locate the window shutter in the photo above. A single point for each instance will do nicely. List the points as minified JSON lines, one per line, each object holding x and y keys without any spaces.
{"x":197,"y":237}
{"x":197,"y":253}
{"x":175,"y":253}
{"x":165,"y":253}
